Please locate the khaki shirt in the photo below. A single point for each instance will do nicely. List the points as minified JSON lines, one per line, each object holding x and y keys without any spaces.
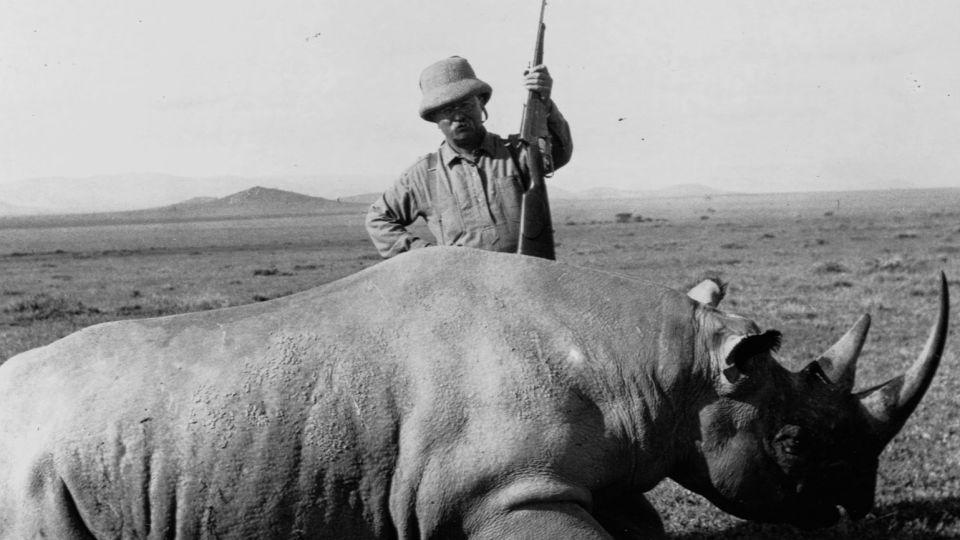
{"x":465,"y":201}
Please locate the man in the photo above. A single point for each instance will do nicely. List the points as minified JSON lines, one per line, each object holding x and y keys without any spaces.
{"x":469,"y":191}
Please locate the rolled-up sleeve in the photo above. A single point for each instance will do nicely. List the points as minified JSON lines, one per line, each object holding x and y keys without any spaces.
{"x":561,"y":142}
{"x":389,"y":216}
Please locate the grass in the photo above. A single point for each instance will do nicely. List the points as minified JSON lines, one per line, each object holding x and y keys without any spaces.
{"x":807,"y":265}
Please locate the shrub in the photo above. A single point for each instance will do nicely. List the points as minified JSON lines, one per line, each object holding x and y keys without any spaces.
{"x":134,"y":309}
{"x":166,"y":305}
{"x":42,"y":307}
{"x":270,"y":272}
{"x":897,"y":263}
{"x":829,"y":267}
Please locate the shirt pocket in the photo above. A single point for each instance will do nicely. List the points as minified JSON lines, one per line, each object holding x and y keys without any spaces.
{"x":446,"y":225}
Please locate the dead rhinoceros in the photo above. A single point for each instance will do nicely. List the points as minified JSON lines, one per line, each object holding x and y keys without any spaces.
{"x":445,"y":393}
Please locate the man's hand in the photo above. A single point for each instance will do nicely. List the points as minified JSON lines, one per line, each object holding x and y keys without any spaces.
{"x":537,"y":79}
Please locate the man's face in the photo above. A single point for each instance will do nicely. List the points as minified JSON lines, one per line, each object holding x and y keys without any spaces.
{"x":461,"y":122}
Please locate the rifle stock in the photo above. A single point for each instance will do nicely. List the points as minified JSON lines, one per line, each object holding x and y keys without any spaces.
{"x":536,"y":225}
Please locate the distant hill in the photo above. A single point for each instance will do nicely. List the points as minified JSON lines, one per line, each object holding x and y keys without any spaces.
{"x":363,"y":198}
{"x":253,"y":202}
{"x":136,"y":191}
{"x":256,"y":202}
{"x":194,"y":201}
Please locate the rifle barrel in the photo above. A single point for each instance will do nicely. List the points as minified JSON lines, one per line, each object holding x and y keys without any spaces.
{"x":538,"y":48}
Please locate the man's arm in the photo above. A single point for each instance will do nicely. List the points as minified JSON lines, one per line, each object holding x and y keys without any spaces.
{"x":389,"y":216}
{"x":561,"y":143}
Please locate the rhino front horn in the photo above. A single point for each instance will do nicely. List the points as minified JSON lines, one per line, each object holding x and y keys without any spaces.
{"x":888,"y":405}
{"x":840,"y":361}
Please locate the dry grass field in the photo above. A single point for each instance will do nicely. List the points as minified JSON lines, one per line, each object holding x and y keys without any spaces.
{"x":807,"y":265}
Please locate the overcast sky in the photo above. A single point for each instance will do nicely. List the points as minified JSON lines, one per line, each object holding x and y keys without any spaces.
{"x":742,"y":95}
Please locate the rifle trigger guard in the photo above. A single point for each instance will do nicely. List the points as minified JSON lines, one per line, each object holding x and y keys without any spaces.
{"x":546,"y":155}
{"x":547,"y":165}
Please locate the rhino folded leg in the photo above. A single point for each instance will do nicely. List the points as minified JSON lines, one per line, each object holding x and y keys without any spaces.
{"x":49,"y":511}
{"x":628,"y":516}
{"x":541,"y":520}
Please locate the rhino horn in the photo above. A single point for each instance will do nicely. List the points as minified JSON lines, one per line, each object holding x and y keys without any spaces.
{"x":839,"y":363}
{"x":888,"y":405}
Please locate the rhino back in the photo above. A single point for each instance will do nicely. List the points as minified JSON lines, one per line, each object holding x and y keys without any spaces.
{"x":314,"y":413}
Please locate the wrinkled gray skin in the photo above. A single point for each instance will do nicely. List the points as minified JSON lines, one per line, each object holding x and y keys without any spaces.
{"x":446,"y":393}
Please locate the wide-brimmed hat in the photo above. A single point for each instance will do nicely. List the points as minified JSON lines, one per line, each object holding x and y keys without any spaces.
{"x":449,"y":81}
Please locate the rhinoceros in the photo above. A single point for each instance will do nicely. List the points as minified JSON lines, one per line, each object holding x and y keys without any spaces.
{"x":446,"y":393}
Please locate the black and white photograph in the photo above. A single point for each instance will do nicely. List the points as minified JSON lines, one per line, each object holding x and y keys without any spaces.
{"x":528,"y":269}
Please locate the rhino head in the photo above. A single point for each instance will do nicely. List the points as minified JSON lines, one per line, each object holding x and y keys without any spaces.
{"x":774,"y":445}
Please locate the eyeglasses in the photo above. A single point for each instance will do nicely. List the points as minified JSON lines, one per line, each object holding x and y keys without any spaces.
{"x":464,"y":106}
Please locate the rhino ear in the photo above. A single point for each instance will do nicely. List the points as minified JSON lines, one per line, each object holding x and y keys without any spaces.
{"x":709,"y":291}
{"x":740,"y":354}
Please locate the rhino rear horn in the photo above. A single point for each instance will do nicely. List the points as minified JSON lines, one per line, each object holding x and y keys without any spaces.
{"x":839,"y":363}
{"x":888,"y":405}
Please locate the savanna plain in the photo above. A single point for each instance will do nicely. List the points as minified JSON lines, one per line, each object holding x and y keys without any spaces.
{"x":805,"y":264}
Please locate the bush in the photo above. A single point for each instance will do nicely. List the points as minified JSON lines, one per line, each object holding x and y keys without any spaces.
{"x":168,"y":305}
{"x":270,"y":272}
{"x":829,"y":267}
{"x":42,"y":307}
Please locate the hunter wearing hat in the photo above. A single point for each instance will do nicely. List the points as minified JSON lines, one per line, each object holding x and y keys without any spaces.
{"x":469,"y":190}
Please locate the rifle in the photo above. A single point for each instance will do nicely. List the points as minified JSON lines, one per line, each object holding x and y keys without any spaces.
{"x":536,"y":227}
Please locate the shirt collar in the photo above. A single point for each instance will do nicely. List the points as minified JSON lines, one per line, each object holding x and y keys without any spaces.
{"x":487,"y":146}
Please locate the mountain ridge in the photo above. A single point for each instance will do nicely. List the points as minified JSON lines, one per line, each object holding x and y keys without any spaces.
{"x":140,"y":191}
{"x":255,"y":202}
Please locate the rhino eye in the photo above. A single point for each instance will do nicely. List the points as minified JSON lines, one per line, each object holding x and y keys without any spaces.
{"x":788,"y":440}
{"x":788,"y":445}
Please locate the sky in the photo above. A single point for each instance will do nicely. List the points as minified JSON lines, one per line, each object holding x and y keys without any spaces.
{"x":737,"y":95}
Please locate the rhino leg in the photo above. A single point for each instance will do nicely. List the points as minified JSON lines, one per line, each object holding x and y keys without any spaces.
{"x":542,"y":520}
{"x":46,"y":510}
{"x":627,"y":515}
